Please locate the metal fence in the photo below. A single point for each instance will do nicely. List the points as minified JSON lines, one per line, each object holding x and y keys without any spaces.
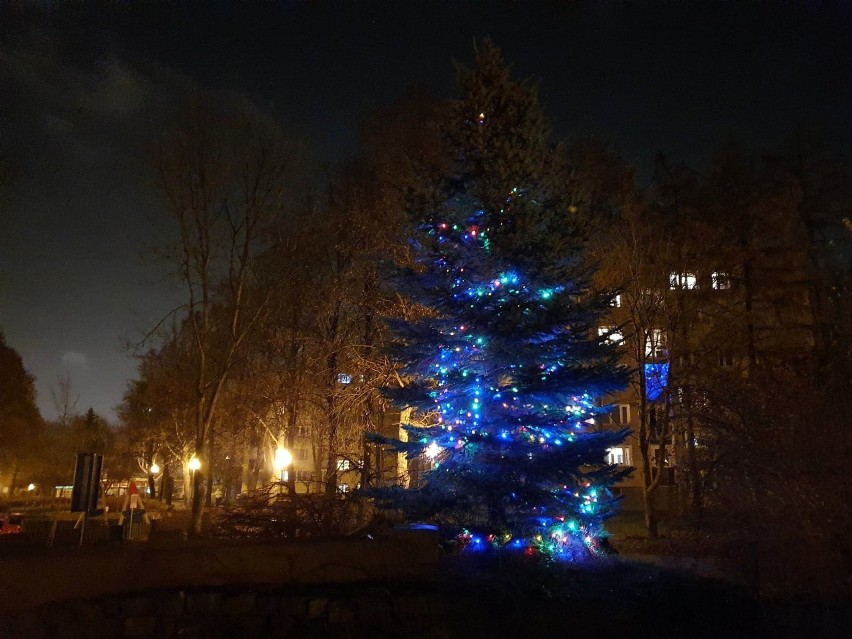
{"x":45,"y":531}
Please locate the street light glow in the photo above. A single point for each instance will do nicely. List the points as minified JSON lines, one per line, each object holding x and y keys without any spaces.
{"x":283,"y":458}
{"x":194,"y":463}
{"x":432,"y":450}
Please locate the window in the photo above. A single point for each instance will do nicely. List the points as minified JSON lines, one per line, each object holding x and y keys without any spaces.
{"x":683,"y":280}
{"x":343,"y":488}
{"x":657,"y":453}
{"x":344,"y":378}
{"x":304,"y":475}
{"x":343,"y":464}
{"x":302,"y":454}
{"x":302,"y":431}
{"x":620,"y":414}
{"x":721,"y":281}
{"x":612,"y":336}
{"x":618,"y":456}
{"x":686,"y":360}
{"x":616,"y":301}
{"x":656,"y":378}
{"x":650,"y":297}
{"x":655,"y":343}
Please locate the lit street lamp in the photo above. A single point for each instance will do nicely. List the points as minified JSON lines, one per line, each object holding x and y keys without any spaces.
{"x":283,"y":459}
{"x":153,"y":471}
{"x":432,"y":451}
{"x":194,"y":465}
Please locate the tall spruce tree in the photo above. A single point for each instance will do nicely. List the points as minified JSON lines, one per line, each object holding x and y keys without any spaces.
{"x":504,"y":367}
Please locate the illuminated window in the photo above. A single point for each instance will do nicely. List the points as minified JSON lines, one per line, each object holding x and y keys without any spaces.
{"x":344,"y":378}
{"x":721,"y":281}
{"x":616,"y":301}
{"x":343,"y":464}
{"x":613,"y":336}
{"x":343,"y":488}
{"x":618,"y":456}
{"x":657,"y":454}
{"x":682,"y":280}
{"x":650,"y":297}
{"x":656,"y":379}
{"x":655,"y":343}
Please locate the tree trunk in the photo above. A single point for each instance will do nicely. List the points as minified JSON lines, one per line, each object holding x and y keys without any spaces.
{"x":13,"y":481}
{"x":748,"y":286}
{"x":292,"y":416}
{"x":365,"y":466}
{"x":651,"y":524}
{"x":198,"y":476}
{"x":149,"y":461}
{"x":331,"y":458}
{"x":245,"y":469}
{"x":208,"y":499}
{"x":166,"y":485}
{"x":680,"y":487}
{"x":187,"y":484}
{"x":695,"y":491}
{"x":648,"y":483}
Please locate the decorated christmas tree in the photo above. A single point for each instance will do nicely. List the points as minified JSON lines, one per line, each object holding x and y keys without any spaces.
{"x":504,"y":369}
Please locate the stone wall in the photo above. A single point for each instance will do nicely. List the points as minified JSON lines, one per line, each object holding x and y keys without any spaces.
{"x":365,"y":610}
{"x":618,"y":602}
{"x":61,"y":574}
{"x":372,"y":588}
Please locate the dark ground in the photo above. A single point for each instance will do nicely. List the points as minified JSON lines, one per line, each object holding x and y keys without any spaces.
{"x":476,"y":596}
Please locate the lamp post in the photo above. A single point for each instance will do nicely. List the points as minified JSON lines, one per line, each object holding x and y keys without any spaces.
{"x":153,"y":471}
{"x":194,"y":464}
{"x":283,"y":459}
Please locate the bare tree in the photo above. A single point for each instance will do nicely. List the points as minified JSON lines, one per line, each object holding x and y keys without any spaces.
{"x":360,"y":229}
{"x":637,"y":323}
{"x":222,"y":169}
{"x":64,"y":399}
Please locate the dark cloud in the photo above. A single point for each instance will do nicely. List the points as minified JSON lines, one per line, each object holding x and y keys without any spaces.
{"x":79,"y":210}
{"x":74,"y":360}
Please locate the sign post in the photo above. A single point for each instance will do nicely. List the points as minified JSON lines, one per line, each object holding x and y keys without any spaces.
{"x":87,"y":488}
{"x":133,"y":509}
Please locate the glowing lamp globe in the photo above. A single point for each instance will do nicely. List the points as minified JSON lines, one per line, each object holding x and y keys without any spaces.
{"x":283,"y":458}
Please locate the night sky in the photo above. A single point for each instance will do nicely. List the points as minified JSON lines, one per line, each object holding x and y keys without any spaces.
{"x":84,"y":86}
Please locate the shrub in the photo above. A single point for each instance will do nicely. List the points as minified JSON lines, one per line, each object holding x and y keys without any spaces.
{"x":268,"y":514}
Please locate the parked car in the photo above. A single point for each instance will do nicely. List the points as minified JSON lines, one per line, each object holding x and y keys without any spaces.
{"x":10,"y":523}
